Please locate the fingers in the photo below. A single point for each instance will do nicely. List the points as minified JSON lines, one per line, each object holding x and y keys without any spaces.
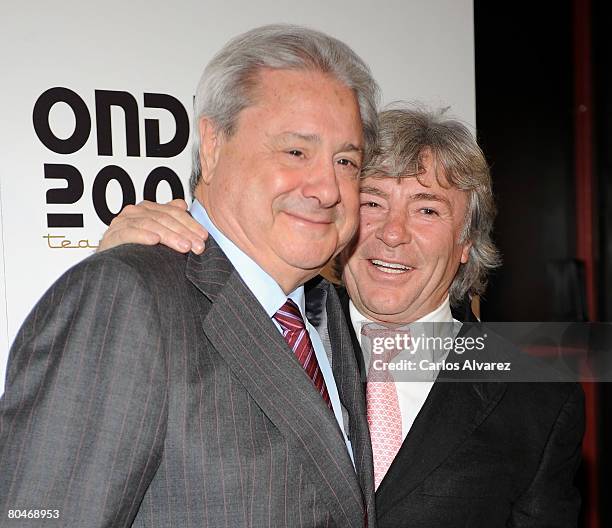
{"x":177,"y":202}
{"x":152,"y":223}
{"x":173,"y":216}
{"x":115,"y":236}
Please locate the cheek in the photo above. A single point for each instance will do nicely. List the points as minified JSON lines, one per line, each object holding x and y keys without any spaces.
{"x":365,"y":234}
{"x":434,"y":243}
{"x":234,"y":179}
{"x":284,"y":178}
{"x":271,"y":185}
{"x":351,"y":274}
{"x":281,"y":187}
{"x":349,"y":193}
{"x":369,"y":220}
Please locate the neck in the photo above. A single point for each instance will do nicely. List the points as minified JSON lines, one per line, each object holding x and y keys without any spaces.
{"x":439,"y":310}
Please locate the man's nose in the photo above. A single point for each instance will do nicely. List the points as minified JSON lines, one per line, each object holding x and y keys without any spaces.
{"x":395,"y":229}
{"x":322,"y":184}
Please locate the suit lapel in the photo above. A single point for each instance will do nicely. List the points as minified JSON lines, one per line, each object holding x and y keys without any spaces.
{"x":243,"y":334}
{"x":452,"y":411}
{"x":450,"y":414}
{"x":351,"y":389}
{"x":344,"y":303}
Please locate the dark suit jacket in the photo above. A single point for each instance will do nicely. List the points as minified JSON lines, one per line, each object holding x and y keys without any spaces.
{"x":149,"y":388}
{"x":484,"y":454}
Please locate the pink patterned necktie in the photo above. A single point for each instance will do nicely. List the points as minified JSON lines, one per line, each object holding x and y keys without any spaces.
{"x":294,"y":331}
{"x":382,"y":405}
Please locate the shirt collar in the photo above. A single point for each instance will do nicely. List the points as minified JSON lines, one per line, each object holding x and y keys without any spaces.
{"x":267,"y":291}
{"x":442,"y":314}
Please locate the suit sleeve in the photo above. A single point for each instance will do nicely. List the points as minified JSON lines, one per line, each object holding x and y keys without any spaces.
{"x":82,"y":420}
{"x":552,"y":500}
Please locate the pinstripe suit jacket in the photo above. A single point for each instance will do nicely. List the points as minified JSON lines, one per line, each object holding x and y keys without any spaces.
{"x":149,"y":388}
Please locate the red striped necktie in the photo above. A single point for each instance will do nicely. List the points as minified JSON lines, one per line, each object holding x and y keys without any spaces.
{"x":294,"y":331}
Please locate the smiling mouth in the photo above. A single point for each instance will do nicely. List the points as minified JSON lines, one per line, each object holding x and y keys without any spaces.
{"x":319,"y":221}
{"x":390,"y":267}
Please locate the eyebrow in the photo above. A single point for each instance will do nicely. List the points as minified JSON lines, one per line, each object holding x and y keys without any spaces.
{"x":315,"y":138}
{"x":374,"y":190}
{"x":413,"y":197}
{"x":431,"y":197}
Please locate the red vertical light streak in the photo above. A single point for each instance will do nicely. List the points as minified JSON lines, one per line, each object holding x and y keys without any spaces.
{"x":585,"y":227}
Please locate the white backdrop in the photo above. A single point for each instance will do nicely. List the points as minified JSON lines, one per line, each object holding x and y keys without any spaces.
{"x":417,"y":49}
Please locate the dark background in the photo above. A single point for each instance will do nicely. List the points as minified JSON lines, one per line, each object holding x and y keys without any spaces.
{"x":528,"y":64}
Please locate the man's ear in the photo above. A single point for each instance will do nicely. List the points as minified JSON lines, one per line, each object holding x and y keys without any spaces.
{"x":210,"y":145}
{"x":465,"y":252}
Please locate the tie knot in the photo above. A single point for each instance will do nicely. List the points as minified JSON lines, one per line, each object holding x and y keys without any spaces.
{"x":289,"y":316}
{"x":384,"y":341}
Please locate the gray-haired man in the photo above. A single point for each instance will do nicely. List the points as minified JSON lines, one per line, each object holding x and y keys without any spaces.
{"x":149,"y":388}
{"x":468,"y":453}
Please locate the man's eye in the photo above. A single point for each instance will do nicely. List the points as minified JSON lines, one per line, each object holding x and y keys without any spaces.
{"x":347,"y":162}
{"x":295,"y":152}
{"x":429,"y":211}
{"x":369,"y":204}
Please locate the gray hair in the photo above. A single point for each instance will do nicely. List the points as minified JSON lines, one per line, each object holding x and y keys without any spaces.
{"x":405,"y":136}
{"x":228,"y":82}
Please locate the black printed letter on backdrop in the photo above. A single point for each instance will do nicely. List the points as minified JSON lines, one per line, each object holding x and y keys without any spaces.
{"x":40,"y":118}
{"x":111,"y":172}
{"x":159,"y":175}
{"x":175,"y":146}
{"x":66,"y":195}
{"x":104,"y":100}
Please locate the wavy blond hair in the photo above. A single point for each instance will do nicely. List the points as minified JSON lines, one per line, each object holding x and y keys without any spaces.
{"x":406,"y":135}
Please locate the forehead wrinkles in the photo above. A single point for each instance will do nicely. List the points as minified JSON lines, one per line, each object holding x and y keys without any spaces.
{"x":319,"y":101}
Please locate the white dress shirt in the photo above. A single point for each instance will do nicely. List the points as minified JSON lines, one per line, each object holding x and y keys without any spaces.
{"x":271,"y":297}
{"x":411,"y":394}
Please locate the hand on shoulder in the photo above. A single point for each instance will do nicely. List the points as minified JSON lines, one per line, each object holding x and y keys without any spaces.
{"x":150,"y":223}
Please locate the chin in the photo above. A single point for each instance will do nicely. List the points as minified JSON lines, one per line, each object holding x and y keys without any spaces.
{"x":307,"y":262}
{"x":380,"y":303}
{"x":309,"y":255}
